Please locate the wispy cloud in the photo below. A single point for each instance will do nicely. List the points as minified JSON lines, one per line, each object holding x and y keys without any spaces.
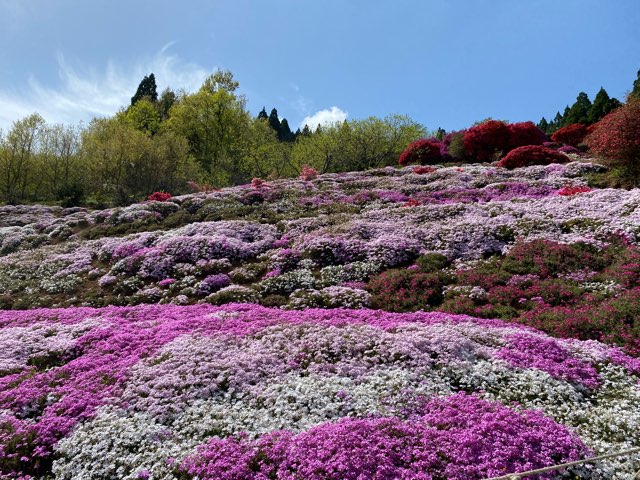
{"x":324,"y":117}
{"x":84,"y":92}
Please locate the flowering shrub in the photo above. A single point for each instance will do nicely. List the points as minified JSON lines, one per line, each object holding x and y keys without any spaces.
{"x":571,"y":134}
{"x":422,"y":170}
{"x":567,"y":191}
{"x":159,"y":197}
{"x":421,"y":151}
{"x":258,"y":183}
{"x":616,"y":137}
{"x":308,"y":173}
{"x":531,"y":155}
{"x":484,"y":141}
{"x":525,"y":133}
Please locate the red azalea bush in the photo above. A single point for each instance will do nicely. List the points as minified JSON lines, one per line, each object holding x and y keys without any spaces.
{"x":421,"y":151}
{"x":423,"y":170}
{"x":258,"y":183}
{"x":571,"y":134}
{"x":483,"y":141}
{"x":159,"y":197}
{"x":308,"y":173}
{"x":525,"y":133}
{"x":617,"y":136}
{"x":532,"y":155}
{"x":568,"y":191}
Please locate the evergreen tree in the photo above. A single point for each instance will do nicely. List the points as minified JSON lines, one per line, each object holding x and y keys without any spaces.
{"x":165,"y":102}
{"x":602,"y":105}
{"x":440,"y":133}
{"x":579,"y":111}
{"x":544,"y":125}
{"x":306,"y":131}
{"x":146,"y":88}
{"x":274,"y":122}
{"x":635,"y":93}
{"x":263,"y":114}
{"x":285,"y":134}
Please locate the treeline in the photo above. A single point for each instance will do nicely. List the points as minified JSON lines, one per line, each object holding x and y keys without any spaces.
{"x":583,"y":111}
{"x":178,"y":142}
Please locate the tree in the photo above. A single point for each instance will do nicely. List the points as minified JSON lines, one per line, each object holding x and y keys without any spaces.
{"x":165,"y":102}
{"x":59,"y":165}
{"x":146,"y":88}
{"x":266,"y":156}
{"x":215,"y":122}
{"x":263,"y":114}
{"x":543,"y":125}
{"x":579,"y":111}
{"x":635,"y":92}
{"x":143,"y":116}
{"x":17,"y":158}
{"x":602,"y":106}
{"x":274,"y":121}
{"x":220,"y":80}
{"x":285,"y":134}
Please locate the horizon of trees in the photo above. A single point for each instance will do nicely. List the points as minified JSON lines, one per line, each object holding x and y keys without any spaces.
{"x":173,"y":141}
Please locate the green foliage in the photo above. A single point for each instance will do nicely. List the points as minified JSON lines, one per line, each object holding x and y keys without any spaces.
{"x":146,"y":89}
{"x":579,"y":111}
{"x":602,"y":105}
{"x":143,"y":116}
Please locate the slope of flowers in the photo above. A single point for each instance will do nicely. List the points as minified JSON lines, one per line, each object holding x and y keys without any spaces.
{"x":131,"y":392}
{"x":343,"y":326}
{"x":329,"y":233}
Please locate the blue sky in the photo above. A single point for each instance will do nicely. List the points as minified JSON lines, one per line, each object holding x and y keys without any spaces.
{"x":445,"y":63}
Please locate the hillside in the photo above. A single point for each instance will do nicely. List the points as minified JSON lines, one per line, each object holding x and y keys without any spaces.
{"x":461,"y":322}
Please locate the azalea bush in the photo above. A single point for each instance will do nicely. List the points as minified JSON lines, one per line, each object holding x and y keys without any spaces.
{"x":616,"y":139}
{"x":483,"y":142}
{"x":531,"y":155}
{"x":421,"y":151}
{"x":572,"y":135}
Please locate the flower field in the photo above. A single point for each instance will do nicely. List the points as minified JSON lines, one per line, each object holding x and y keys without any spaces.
{"x":411,"y":323}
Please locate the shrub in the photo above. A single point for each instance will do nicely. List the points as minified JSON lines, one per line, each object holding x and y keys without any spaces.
{"x":308,"y":173}
{"x":532,"y":155}
{"x":159,"y":197}
{"x":616,"y":138}
{"x":525,"y":133}
{"x":405,"y":290}
{"x":423,"y":170}
{"x":484,"y":141}
{"x":569,"y":190}
{"x":454,"y":145}
{"x":421,"y":151}
{"x":571,"y":134}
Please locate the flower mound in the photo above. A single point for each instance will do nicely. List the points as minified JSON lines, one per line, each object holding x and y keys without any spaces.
{"x":421,"y":151}
{"x":456,"y":438}
{"x":159,"y":197}
{"x":483,"y":141}
{"x":571,"y":134}
{"x":532,"y":155}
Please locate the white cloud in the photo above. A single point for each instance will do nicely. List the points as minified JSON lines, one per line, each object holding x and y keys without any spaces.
{"x":84,"y":93}
{"x":324,"y":117}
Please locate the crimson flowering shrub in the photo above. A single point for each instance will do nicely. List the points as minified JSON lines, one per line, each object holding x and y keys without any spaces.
{"x":532,"y":155}
{"x":159,"y":197}
{"x":258,"y":183}
{"x":525,"y":133}
{"x":484,"y":141}
{"x":616,"y":137}
{"x":421,"y":151}
{"x":308,"y":173}
{"x":571,"y":134}
{"x":568,"y":190}
{"x":423,"y":170}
